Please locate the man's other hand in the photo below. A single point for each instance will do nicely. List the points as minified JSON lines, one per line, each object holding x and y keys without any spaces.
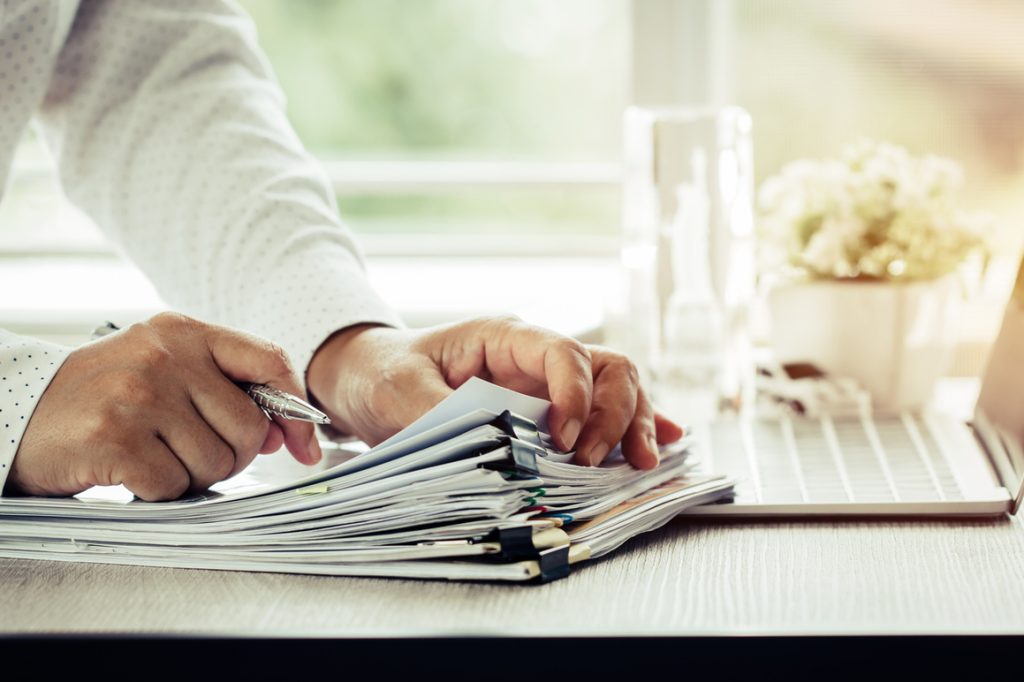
{"x":373,"y":381}
{"x":155,"y":407}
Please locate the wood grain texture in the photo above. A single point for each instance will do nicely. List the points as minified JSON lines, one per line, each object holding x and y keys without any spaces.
{"x":687,"y":578}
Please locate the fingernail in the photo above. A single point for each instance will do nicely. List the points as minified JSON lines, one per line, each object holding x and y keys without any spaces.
{"x":598,"y":453}
{"x":315,"y":454}
{"x":570,"y":432}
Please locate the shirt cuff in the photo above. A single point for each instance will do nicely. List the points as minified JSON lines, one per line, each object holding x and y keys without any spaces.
{"x":26,"y":368}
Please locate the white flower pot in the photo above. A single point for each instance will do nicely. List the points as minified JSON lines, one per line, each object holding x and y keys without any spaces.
{"x":896,"y":340}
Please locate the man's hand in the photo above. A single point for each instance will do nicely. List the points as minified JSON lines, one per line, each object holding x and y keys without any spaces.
{"x":154,"y":407}
{"x":373,"y":381}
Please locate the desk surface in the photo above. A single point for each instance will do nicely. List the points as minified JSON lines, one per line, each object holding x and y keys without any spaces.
{"x":689,"y":578}
{"x":821,"y":577}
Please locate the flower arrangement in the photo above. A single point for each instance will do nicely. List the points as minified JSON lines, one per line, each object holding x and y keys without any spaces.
{"x":877,"y":213}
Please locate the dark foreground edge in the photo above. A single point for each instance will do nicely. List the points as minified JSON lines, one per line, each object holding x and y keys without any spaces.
{"x":492,"y":658}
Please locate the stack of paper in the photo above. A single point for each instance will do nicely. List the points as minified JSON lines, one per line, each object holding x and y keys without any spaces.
{"x":473,"y":490}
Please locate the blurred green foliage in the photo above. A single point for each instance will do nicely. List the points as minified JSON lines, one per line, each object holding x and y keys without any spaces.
{"x":503,"y":78}
{"x":456,"y":79}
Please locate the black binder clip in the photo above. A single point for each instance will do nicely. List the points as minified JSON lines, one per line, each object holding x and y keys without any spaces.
{"x":516,"y":542}
{"x":524,"y":452}
{"x":553,"y":564}
{"x":524,"y":455}
{"x":526,"y":430}
{"x":519,"y":427}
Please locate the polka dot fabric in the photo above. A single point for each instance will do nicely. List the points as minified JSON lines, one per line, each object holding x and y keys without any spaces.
{"x":170,"y":132}
{"x":26,"y":368}
{"x":27,"y":52}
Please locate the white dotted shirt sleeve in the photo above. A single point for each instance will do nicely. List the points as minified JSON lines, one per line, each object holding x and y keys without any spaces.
{"x":26,"y":368}
{"x":171,"y":133}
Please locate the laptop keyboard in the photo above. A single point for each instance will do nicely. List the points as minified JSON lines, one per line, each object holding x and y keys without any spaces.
{"x":882,"y":459}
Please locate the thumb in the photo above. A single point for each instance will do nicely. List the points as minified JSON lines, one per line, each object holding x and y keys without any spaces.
{"x":411,"y":401}
{"x":244,"y":357}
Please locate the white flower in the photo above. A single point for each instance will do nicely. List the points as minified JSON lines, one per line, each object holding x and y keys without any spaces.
{"x":827,"y":252}
{"x":878,"y":212}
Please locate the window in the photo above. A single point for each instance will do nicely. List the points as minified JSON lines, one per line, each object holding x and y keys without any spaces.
{"x":449,"y":127}
{"x":455,"y":117}
{"x":464,"y":128}
{"x":935,"y":76}
{"x":441,"y":117}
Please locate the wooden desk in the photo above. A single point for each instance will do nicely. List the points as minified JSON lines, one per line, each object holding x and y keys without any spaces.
{"x":691,"y":577}
{"x":827,"y":577}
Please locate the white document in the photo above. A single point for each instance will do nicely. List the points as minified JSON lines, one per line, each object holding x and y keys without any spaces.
{"x":475,"y":394}
{"x":422,"y":504}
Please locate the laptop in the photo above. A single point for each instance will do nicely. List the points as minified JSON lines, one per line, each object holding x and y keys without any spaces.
{"x":908,"y":464}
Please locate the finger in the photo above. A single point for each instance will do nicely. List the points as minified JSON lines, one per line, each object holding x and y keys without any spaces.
{"x":639,"y":445}
{"x":242,"y":357}
{"x":527,"y":359}
{"x":616,"y":386}
{"x":232,"y":415}
{"x":564,"y":365}
{"x":274,"y":439}
{"x":150,"y":471}
{"x":204,"y":454}
{"x":667,"y":431}
{"x":570,"y":384}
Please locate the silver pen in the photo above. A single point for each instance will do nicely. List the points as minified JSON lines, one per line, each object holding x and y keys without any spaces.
{"x":284,"y":404}
{"x":273,"y":401}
